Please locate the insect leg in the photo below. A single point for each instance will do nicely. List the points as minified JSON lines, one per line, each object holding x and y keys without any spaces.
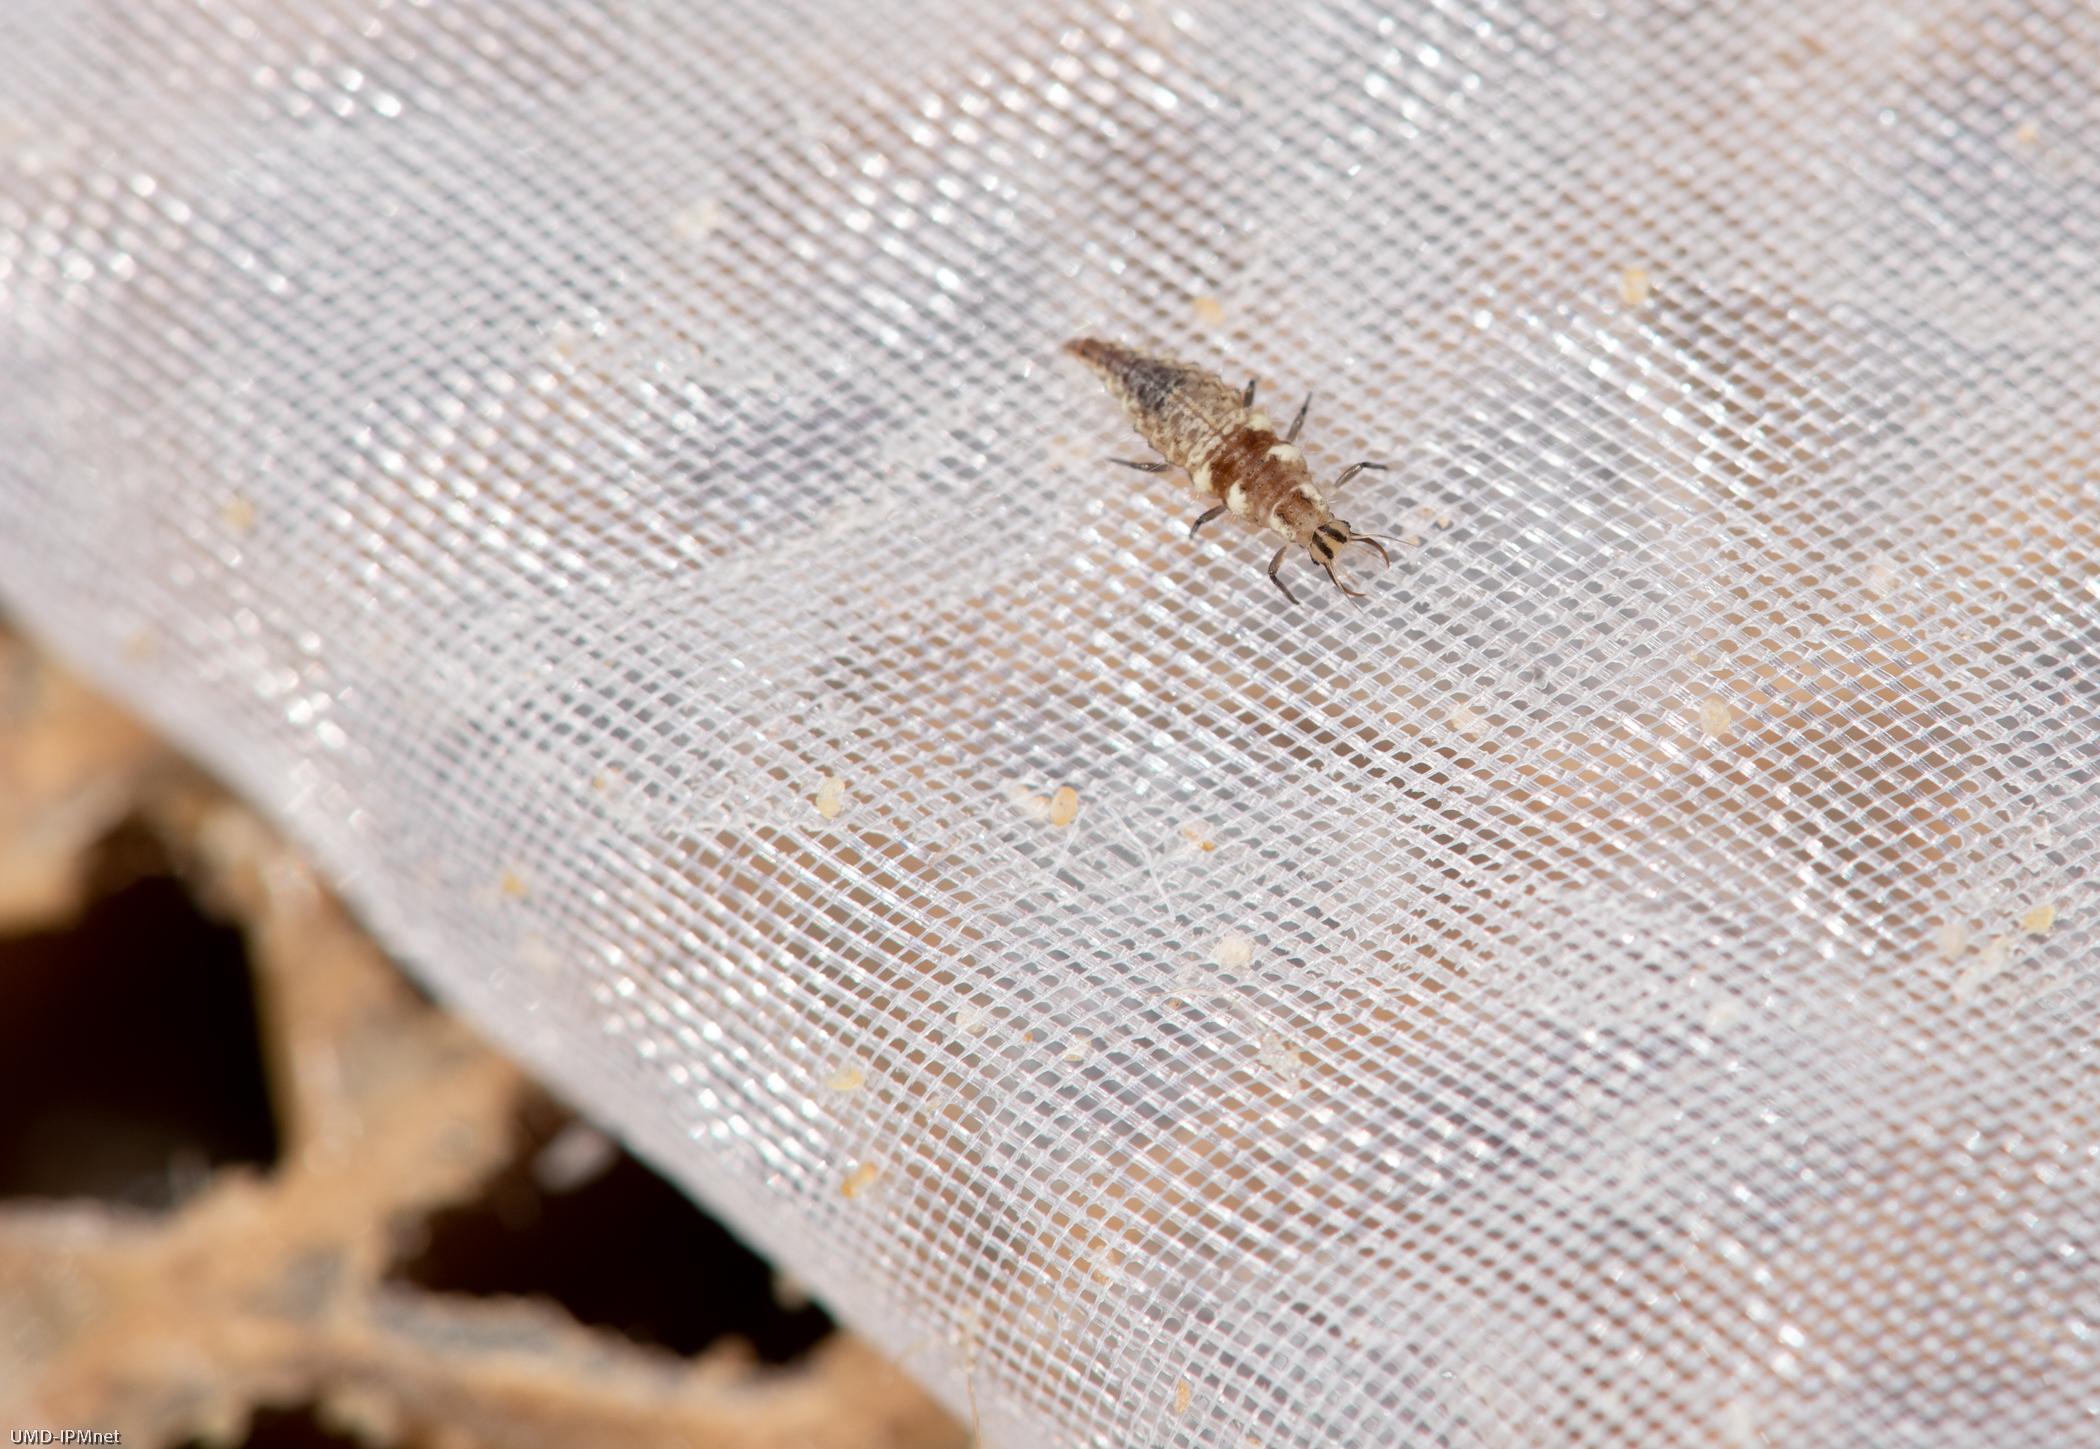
{"x":1213,"y":513}
{"x":1247,"y":397}
{"x":1160,"y":466}
{"x":1355,"y":468}
{"x":1275,"y":564}
{"x":1299,"y":421}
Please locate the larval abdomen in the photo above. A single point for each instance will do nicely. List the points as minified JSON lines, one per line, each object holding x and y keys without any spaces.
{"x":1185,"y":412}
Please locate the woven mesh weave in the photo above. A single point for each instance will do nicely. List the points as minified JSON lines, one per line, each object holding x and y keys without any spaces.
{"x":603,"y":476}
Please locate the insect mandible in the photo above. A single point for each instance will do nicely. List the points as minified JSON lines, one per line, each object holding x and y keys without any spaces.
{"x":1231,"y":453}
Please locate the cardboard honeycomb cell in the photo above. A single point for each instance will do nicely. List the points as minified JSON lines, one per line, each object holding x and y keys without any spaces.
{"x":240,"y":1293}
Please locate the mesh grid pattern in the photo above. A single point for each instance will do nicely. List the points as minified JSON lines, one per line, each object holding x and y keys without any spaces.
{"x":1631,"y":984}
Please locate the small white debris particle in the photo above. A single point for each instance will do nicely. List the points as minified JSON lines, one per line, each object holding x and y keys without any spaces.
{"x":847,"y":1079}
{"x":536,"y":953}
{"x":1064,"y":807}
{"x":1079,"y":1048}
{"x":1738,"y":1426}
{"x":698,"y":221}
{"x":1233,"y":951}
{"x":578,"y":1153}
{"x":1058,"y":809}
{"x":238,"y":514}
{"x":1716,"y":719}
{"x":1465,"y":719}
{"x":1635,"y":286}
{"x":1279,"y":1057}
{"x":830,"y":798}
{"x":1882,"y":578}
{"x":1417,"y":522}
{"x":789,"y":1292}
{"x":1192,"y":983}
{"x":2038,"y":920}
{"x":860,"y":1180}
{"x":1951,"y":939}
{"x":566,"y":340}
{"x":1200,"y":834}
{"x":1723,"y":1013}
{"x":1990,"y":962}
{"x":970,"y":1020}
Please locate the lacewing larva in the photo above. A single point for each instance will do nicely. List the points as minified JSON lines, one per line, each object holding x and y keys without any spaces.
{"x":1230,"y":451}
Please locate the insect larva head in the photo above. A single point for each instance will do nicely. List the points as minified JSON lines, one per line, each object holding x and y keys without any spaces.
{"x":1333,"y":536}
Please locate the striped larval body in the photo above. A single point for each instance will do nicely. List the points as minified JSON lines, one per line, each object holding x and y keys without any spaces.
{"x":1230,"y":449}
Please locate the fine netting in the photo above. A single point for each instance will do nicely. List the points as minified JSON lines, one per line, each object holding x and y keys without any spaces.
{"x":603,"y":476}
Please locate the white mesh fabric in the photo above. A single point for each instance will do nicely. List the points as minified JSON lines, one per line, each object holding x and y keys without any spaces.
{"x":1633,"y":983}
